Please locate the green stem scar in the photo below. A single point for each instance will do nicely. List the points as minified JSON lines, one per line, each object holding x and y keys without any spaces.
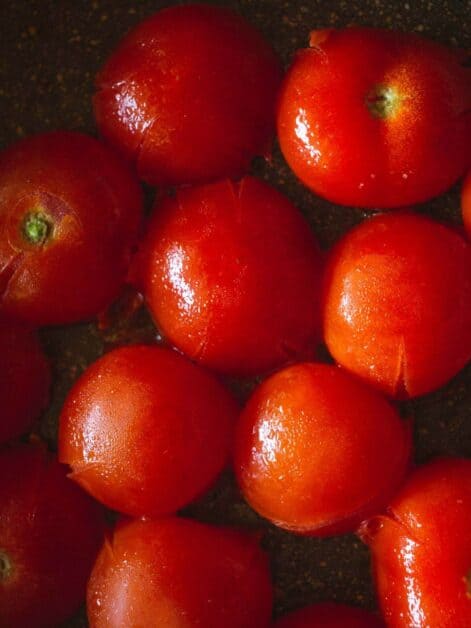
{"x":37,"y":227}
{"x":5,"y":566}
{"x":382,"y":101}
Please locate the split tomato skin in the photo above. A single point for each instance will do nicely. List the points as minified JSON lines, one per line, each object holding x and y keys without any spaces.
{"x":329,"y":615}
{"x":189,"y":95}
{"x":146,"y":431}
{"x":232,"y":276}
{"x":375,"y":118}
{"x":466,"y":203}
{"x":421,"y":549}
{"x":179,"y":573}
{"x":397,"y":303}
{"x":70,"y":213}
{"x":50,"y":534}
{"x":25,"y":379}
{"x":316,"y":450}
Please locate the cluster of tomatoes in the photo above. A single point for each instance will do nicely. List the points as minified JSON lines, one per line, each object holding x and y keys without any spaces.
{"x":236,"y":282}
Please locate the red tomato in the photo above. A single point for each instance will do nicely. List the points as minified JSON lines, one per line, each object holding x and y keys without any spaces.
{"x":50,"y":533}
{"x":328,"y":615}
{"x":317,"y":451}
{"x":177,"y":573}
{"x":397,"y":306}
{"x":466,"y":203}
{"x":231,"y":273}
{"x":24,"y":379}
{"x":145,"y":430}
{"x":422,"y":549}
{"x":189,"y":95}
{"x":376,"y":118}
{"x":69,"y":216}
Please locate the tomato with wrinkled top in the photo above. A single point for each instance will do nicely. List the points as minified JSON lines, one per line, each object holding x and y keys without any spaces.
{"x":329,"y":615}
{"x":375,"y":118}
{"x":50,"y":534}
{"x":146,"y":431}
{"x":466,"y":203}
{"x":189,"y":95}
{"x":317,"y":451}
{"x":70,"y":211}
{"x":422,"y":549}
{"x":179,"y":573}
{"x":397,"y":303}
{"x":231,"y":273}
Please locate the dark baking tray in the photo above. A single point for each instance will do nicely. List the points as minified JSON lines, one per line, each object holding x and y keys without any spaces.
{"x":50,"y":51}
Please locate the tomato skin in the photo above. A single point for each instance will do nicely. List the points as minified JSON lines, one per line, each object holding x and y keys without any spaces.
{"x":24,"y":381}
{"x":179,"y":573}
{"x":146,"y":431}
{"x":189,"y":95}
{"x":329,"y":615}
{"x":421,"y":550}
{"x":466,"y":203}
{"x":232,"y":275}
{"x":397,"y":303}
{"x":93,"y":207}
{"x":51,"y":533}
{"x":316,"y":450}
{"x":346,"y":153}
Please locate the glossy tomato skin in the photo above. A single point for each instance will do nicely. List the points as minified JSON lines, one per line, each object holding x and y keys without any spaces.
{"x":87,"y":208}
{"x":466,"y":203}
{"x":24,"y":381}
{"x":397,"y":303}
{"x":422,"y":551}
{"x":317,"y":450}
{"x":232,"y":273}
{"x":189,"y":95}
{"x":146,"y":431}
{"x":375,"y":118}
{"x":50,"y":534}
{"x":179,"y":573}
{"x":329,"y":615}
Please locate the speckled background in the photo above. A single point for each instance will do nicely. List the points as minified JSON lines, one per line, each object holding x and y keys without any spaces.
{"x":50,"y":51}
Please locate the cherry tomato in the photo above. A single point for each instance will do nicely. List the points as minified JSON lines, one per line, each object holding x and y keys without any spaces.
{"x":178,"y":573}
{"x":466,"y":203}
{"x":189,"y":95}
{"x":376,"y":118}
{"x":422,"y":549}
{"x":317,"y":450}
{"x":231,"y":273}
{"x":24,"y":379}
{"x":69,"y":216}
{"x":329,"y":615}
{"x":397,"y":306}
{"x":146,"y":431}
{"x":50,"y":533}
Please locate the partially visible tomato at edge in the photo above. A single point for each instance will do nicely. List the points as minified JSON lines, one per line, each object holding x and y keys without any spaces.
{"x":466,"y":203}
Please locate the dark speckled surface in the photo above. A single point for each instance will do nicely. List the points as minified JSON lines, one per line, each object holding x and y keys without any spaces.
{"x":50,"y":51}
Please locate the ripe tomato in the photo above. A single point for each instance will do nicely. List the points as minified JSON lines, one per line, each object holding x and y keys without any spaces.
{"x":189,"y":95}
{"x":231,"y":273}
{"x":145,"y":430}
{"x":466,"y":203}
{"x":179,"y":573}
{"x":376,"y":118}
{"x":69,"y":216}
{"x":50,"y":533}
{"x":328,"y":615}
{"x":422,"y":549}
{"x":24,"y":379}
{"x":397,"y":303}
{"x":317,"y":451}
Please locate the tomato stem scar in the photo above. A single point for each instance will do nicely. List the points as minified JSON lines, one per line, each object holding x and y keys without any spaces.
{"x":37,"y":227}
{"x":5,"y":566}
{"x":382,"y":101}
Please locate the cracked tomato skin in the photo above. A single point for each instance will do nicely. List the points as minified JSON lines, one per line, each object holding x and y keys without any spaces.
{"x":466,"y":203}
{"x":422,"y":550}
{"x":375,"y":118}
{"x":146,"y":431}
{"x":397,"y":303}
{"x":89,"y":206}
{"x":180,"y":573}
{"x":329,"y":615}
{"x":317,"y":451}
{"x":24,"y":381}
{"x":231,"y":273}
{"x":189,"y":95}
{"x":50,"y":534}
